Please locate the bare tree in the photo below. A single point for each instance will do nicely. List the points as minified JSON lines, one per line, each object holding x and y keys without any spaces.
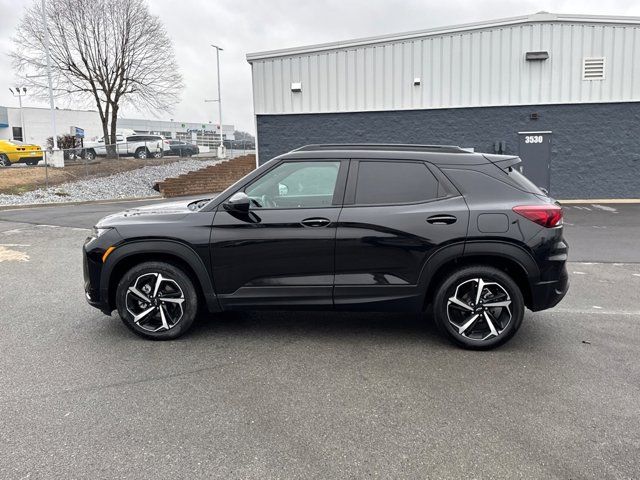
{"x":108,"y":52}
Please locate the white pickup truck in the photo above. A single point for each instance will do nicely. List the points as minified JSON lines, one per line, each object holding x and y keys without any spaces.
{"x":139,"y":146}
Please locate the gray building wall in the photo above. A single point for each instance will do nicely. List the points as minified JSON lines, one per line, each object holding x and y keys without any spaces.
{"x":595,"y":151}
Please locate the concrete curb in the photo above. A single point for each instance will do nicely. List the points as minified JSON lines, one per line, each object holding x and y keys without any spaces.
{"x":600,"y":200}
{"x":86,"y":202}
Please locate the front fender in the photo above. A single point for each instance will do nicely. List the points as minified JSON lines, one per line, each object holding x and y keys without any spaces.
{"x":164,"y":247}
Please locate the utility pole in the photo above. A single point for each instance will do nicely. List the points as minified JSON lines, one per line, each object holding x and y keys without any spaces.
{"x":221,"y":150}
{"x":20,"y":92}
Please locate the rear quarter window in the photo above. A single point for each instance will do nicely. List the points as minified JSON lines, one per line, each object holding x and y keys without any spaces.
{"x":520,"y":181}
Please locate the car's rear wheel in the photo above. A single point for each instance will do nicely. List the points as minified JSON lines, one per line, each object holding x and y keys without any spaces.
{"x":89,"y":155}
{"x":4,"y":161}
{"x":157,"y":300}
{"x":142,"y":153}
{"x":478,"y":307}
{"x":158,"y":154}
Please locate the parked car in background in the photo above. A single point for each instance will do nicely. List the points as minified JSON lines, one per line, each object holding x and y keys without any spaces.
{"x":139,"y":146}
{"x":182,"y":148}
{"x":14,"y":151}
{"x":413,"y":228}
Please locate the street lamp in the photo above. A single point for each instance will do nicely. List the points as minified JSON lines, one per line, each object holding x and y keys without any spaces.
{"x":20,"y":92}
{"x":221,"y":152}
{"x":45,"y":26}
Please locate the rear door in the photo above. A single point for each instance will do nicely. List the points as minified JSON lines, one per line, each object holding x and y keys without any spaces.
{"x":121,"y":144}
{"x":396,"y":214}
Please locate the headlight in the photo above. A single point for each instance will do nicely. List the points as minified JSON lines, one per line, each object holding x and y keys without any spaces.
{"x":99,"y":231}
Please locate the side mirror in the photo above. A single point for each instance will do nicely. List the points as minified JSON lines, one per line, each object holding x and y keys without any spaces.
{"x":238,"y":202}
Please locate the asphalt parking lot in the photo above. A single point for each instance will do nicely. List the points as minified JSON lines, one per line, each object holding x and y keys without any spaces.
{"x":307,"y":395}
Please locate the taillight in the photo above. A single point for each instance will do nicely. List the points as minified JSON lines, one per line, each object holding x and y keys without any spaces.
{"x":546,"y":215}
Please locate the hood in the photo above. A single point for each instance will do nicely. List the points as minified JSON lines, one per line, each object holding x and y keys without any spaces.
{"x":166,"y":211}
{"x":181,"y":206}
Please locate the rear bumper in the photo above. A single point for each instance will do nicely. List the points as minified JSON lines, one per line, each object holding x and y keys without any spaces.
{"x":548,"y":294}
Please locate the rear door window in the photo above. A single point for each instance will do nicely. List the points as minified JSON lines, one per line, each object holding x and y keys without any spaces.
{"x":394,"y":182}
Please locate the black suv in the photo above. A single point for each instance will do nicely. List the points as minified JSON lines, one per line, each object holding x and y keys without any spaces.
{"x":464,"y":236}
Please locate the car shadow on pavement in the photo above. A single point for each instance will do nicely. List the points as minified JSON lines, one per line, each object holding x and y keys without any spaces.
{"x":317,"y":325}
{"x":327,"y":327}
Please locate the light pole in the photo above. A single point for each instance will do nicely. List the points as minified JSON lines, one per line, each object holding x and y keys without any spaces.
{"x":221,"y":152}
{"x":46,"y":50}
{"x":20,"y":92}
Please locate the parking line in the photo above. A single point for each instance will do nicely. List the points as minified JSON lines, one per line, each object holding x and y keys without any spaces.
{"x":594,"y":312}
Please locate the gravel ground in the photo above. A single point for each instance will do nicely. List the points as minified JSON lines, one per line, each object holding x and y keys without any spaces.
{"x":131,"y":184}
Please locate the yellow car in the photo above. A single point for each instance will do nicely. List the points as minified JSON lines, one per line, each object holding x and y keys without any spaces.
{"x":13,"y":151}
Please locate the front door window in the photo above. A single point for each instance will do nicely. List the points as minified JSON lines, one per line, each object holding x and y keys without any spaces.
{"x":296,"y":185}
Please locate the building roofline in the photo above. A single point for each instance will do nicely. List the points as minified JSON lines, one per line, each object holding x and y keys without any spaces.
{"x":540,"y":17}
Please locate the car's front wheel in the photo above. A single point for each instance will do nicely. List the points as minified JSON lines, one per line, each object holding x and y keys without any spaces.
{"x":478,"y":307}
{"x":157,"y":300}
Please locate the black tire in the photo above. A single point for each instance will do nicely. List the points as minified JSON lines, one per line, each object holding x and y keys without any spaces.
{"x":33,"y":162}
{"x":89,"y":155}
{"x":158,"y":154}
{"x":175,"y":285}
{"x":142,"y":153}
{"x":4,"y":160}
{"x":479,"y":334}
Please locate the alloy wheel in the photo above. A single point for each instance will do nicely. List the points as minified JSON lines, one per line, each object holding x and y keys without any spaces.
{"x":479,"y":309}
{"x":155,"y":302}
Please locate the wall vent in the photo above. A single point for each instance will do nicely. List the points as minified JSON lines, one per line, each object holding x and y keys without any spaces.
{"x":593,"y":68}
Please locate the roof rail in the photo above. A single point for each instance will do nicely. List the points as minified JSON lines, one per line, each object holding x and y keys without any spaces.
{"x":382,"y":146}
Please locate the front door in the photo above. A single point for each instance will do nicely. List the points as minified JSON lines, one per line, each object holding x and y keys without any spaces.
{"x":282,"y":251}
{"x":535,"y":152}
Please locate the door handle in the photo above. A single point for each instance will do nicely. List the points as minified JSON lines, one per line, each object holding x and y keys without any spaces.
{"x":442,"y":219}
{"x":315,"y":222}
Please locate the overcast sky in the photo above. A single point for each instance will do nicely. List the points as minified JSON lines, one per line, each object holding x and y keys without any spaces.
{"x":242,"y":26}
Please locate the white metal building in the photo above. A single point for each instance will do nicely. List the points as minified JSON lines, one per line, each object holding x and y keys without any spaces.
{"x":524,"y":69}
{"x":37,"y":126}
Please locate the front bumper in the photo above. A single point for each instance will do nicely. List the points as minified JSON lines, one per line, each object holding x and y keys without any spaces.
{"x":92,"y":269}
{"x":30,"y":159}
{"x":92,"y":265}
